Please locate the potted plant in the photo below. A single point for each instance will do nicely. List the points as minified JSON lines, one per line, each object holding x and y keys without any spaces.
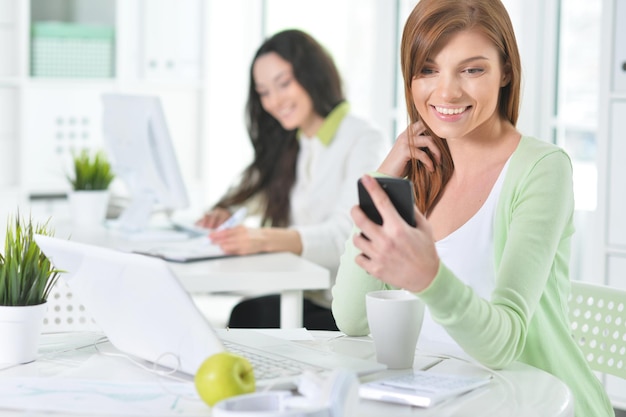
{"x":92,"y":174}
{"x":26,"y":278}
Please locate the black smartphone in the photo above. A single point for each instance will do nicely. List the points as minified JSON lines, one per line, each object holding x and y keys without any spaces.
{"x":400,"y":192}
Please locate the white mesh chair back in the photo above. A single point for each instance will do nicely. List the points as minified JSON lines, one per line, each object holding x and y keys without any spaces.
{"x":598,"y":322}
{"x":65,"y":313}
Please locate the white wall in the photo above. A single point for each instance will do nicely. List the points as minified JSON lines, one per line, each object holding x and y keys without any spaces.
{"x":233,"y":35}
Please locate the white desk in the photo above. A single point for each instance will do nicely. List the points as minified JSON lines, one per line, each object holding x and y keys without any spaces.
{"x":283,"y":273}
{"x":519,"y":391}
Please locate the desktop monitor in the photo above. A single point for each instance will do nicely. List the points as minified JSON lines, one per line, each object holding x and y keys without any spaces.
{"x":143,"y":157}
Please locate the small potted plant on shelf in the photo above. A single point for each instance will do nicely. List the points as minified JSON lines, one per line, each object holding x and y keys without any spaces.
{"x":92,"y":174}
{"x":26,"y":278}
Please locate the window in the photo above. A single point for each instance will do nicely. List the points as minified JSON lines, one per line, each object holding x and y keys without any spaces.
{"x":576,"y":120}
{"x":360,"y":35}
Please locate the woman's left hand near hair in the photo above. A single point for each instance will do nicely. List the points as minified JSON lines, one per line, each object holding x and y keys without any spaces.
{"x":410,"y":144}
{"x":239,"y":240}
{"x":396,"y":253}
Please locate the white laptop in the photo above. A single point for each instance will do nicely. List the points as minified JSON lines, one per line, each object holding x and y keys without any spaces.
{"x":145,"y":312}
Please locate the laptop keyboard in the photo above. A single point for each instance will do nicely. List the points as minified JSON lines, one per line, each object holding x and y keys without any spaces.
{"x":268,"y":367}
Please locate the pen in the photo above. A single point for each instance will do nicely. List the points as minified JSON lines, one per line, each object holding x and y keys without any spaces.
{"x":233,"y":220}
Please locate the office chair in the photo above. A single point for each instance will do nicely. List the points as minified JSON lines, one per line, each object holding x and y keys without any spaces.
{"x":598,"y":323}
{"x":65,"y":313}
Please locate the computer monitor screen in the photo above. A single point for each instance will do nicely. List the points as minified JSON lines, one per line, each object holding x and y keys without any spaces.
{"x":143,"y":157}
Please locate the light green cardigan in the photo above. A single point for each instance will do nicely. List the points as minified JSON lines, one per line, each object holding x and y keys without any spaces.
{"x":526,"y":318}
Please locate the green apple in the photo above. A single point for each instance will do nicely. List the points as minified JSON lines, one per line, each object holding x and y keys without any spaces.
{"x":224,"y":375}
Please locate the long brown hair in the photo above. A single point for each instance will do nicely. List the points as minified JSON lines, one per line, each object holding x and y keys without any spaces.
{"x":427,"y":29}
{"x":272,"y":173}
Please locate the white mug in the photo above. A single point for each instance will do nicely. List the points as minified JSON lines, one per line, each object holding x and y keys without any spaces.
{"x":395,"y":320}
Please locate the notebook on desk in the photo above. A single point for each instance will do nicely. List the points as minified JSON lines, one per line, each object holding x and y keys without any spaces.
{"x":145,"y":312}
{"x":190,"y":250}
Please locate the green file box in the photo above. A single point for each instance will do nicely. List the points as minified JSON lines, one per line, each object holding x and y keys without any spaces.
{"x":72,"y":50}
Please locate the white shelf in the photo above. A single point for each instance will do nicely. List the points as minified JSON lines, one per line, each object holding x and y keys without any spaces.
{"x":201,"y":110}
{"x":10,"y":81}
{"x":616,"y":250}
{"x":70,"y":82}
{"x":108,"y":83}
{"x":162,"y":84}
{"x":148,"y":35}
{"x":617,"y":95}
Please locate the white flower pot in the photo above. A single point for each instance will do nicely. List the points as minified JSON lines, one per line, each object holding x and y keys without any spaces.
{"x":20,"y":329}
{"x":88,"y":208}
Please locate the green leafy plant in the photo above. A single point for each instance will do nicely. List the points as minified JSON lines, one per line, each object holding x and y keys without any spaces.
{"x":91,"y":172}
{"x":26,"y":274}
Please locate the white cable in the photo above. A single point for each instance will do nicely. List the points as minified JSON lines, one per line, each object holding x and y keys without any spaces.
{"x":159,"y":373}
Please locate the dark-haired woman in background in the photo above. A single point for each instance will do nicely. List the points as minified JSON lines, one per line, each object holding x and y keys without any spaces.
{"x":309,"y":152}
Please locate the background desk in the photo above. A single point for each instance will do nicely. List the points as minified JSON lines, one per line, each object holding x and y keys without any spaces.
{"x":518,"y":391}
{"x":283,"y":273}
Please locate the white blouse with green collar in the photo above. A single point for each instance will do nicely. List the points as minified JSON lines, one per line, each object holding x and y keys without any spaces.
{"x":327,"y":170}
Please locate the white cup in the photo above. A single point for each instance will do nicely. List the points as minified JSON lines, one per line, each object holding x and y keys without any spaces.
{"x":395,"y":320}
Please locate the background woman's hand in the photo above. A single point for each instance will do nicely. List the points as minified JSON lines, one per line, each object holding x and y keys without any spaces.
{"x":396,"y":253}
{"x":397,"y":160}
{"x":239,"y":240}
{"x":214,"y":218}
{"x":242,"y":240}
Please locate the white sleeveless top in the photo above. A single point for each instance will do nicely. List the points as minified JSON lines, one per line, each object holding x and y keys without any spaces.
{"x":468,"y":253}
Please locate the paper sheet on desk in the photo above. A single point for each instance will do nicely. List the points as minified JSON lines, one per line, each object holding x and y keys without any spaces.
{"x":93,"y":397}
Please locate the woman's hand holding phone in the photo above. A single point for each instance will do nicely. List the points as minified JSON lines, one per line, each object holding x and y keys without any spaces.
{"x":399,"y":191}
{"x":392,"y":249}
